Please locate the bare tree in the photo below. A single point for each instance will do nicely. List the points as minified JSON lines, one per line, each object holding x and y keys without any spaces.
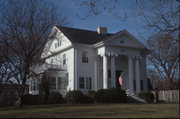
{"x":164,"y":57}
{"x":96,"y":7}
{"x":160,"y":16}
{"x":5,"y":74}
{"x":24,"y":29}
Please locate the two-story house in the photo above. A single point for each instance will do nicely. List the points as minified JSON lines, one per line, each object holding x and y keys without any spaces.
{"x":77,"y":59}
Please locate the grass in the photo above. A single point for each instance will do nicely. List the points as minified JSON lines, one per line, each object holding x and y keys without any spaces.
{"x":94,"y":111}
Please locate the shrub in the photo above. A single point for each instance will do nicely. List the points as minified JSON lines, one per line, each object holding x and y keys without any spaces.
{"x":31,"y":99}
{"x":113,"y":95}
{"x":147,"y":96}
{"x":55,"y":98}
{"x":87,"y":99}
{"x":101,"y":96}
{"x":92,"y":95}
{"x":117,"y":95}
{"x":74,"y":97}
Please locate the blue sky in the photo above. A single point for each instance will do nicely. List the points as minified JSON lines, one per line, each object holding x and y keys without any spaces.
{"x":71,"y":10}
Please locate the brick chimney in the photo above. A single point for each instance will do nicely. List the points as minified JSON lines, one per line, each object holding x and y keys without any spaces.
{"x":102,"y":30}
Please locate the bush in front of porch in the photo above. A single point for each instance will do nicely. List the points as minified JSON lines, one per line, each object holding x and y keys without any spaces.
{"x":112,"y":95}
{"x":147,"y":96}
{"x":77,"y":97}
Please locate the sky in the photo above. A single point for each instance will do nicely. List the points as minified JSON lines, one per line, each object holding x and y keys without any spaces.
{"x":71,"y":10}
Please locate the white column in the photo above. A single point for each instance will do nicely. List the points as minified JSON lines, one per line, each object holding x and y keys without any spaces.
{"x":113,"y":70}
{"x":105,"y":72}
{"x":137,"y":76}
{"x":96,"y":72}
{"x":130,"y":68}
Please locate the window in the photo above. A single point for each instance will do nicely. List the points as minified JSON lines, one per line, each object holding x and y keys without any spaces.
{"x":61,"y":83}
{"x":88,"y":82}
{"x":134,"y":82}
{"x":122,"y":41}
{"x":85,"y":82}
{"x":51,"y":61}
{"x":81,"y":82}
{"x":141,"y":84}
{"x":109,"y":73}
{"x":58,"y":43}
{"x":32,"y":85}
{"x":84,"y":57}
{"x":64,"y":59}
{"x":52,"y":82}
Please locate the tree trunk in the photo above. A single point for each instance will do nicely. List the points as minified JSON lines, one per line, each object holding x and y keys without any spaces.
{"x":21,"y":102}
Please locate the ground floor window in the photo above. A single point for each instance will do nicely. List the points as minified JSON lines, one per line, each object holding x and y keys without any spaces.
{"x":81,"y":82}
{"x":88,"y":82}
{"x":52,"y":82}
{"x":141,"y":84}
{"x":61,"y":83}
{"x":33,"y":86}
{"x":85,"y":83}
{"x":134,"y":83}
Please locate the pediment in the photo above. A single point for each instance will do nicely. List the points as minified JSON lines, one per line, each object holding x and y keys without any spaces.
{"x":125,"y":39}
{"x":56,"y":35}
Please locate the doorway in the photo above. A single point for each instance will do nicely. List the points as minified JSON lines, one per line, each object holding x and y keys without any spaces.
{"x":118,"y":74}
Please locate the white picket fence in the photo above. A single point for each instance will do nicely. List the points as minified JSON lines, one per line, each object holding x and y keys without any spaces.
{"x":168,"y":95}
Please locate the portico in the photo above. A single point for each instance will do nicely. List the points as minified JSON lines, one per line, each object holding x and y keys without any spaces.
{"x":114,"y":62}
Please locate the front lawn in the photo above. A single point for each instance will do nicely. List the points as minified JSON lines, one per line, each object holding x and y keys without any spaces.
{"x":94,"y":111}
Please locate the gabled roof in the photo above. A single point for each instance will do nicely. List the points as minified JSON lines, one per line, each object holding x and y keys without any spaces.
{"x":140,"y":45}
{"x":82,"y":36}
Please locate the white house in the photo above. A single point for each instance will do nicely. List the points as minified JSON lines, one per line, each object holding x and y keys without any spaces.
{"x":77,"y":59}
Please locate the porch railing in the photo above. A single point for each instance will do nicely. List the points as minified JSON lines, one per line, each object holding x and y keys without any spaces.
{"x":46,"y":66}
{"x":54,"y":67}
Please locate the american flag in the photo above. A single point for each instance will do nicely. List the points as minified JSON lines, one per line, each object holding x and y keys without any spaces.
{"x":121,"y":79}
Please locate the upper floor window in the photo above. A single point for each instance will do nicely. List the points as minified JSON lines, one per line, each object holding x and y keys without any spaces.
{"x":58,"y":43}
{"x":122,"y":41}
{"x":64,"y":59}
{"x":52,"y":61}
{"x":85,"y":57}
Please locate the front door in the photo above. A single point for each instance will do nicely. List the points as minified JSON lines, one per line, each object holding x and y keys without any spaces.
{"x":118,"y":74}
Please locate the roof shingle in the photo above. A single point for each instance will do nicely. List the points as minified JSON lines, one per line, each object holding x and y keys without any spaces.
{"x":82,"y":36}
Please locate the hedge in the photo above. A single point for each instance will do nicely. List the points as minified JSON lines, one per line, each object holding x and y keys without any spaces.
{"x":147,"y":96}
{"x":112,"y":95}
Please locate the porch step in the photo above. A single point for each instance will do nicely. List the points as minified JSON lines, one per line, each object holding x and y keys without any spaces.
{"x":131,"y":95}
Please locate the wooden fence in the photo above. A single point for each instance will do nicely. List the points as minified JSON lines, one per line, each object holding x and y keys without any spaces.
{"x":168,"y":95}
